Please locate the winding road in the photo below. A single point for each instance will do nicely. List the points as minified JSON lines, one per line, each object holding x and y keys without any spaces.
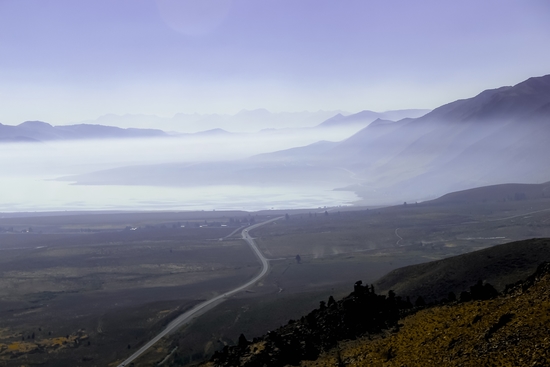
{"x":398,"y":236}
{"x":211,"y":303}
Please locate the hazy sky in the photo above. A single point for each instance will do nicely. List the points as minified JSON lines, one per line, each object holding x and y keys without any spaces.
{"x":67,"y":60}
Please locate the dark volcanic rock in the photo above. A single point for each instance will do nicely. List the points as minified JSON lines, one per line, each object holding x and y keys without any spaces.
{"x":360,"y":313}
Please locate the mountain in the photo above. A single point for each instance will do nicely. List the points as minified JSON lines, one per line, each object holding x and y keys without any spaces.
{"x":244,"y":121}
{"x":363,"y":117}
{"x":289,"y":155}
{"x":251,"y":121}
{"x":498,"y":136}
{"x":34,"y":131}
{"x":439,"y":128}
{"x":501,"y":104}
{"x":366,"y":117}
{"x":207,"y":133}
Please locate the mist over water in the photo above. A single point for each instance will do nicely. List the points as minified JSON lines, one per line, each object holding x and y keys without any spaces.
{"x":465,"y":144}
{"x":30,"y":172}
{"x":36,"y":194}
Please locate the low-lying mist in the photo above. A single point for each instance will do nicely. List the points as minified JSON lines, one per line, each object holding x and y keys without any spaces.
{"x":499,"y":136}
{"x":80,"y":156}
{"x":30,"y":172}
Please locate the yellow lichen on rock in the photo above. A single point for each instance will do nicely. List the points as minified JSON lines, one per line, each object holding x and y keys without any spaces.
{"x":21,"y":347}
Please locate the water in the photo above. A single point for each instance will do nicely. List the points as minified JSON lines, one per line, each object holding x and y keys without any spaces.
{"x":28,"y":174}
{"x":29,"y":194}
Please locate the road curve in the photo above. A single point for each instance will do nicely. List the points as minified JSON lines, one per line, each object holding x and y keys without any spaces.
{"x":206,"y":305}
{"x":398,"y":236}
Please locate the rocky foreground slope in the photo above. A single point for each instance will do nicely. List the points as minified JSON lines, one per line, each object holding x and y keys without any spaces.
{"x":509,"y":330}
{"x":475,"y":328}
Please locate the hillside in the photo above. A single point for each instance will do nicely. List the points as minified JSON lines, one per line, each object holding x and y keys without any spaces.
{"x":366,"y":117}
{"x":511,"y":330}
{"x":501,"y":192}
{"x":497,"y":136}
{"x":498,"y":265}
{"x":504,"y":103}
{"x":390,"y":330}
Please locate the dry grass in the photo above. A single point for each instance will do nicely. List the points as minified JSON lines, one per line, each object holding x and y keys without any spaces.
{"x":507,"y":331}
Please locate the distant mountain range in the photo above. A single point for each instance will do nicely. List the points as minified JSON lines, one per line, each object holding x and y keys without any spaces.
{"x":139,"y":126}
{"x":499,"y":136}
{"x":35,"y":131}
{"x":251,"y":121}
{"x":364,"y":118}
{"x":245,"y":121}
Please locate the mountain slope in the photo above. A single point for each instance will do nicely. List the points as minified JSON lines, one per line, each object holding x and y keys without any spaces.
{"x":495,"y":193}
{"x":503,"y":104}
{"x":499,"y":265}
{"x":389,"y":331}
{"x":366,"y":117}
{"x":511,"y":330}
{"x":499,"y":136}
{"x":448,"y":131}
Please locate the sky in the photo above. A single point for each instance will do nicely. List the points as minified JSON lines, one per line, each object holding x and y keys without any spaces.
{"x":64,"y":61}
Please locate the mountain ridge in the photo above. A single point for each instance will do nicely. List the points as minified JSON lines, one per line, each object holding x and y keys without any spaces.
{"x":508,"y":102}
{"x":366,"y":117}
{"x":43,"y":131}
{"x":407,"y":160}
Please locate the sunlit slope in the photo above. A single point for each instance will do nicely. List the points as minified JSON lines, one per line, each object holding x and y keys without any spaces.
{"x":511,"y":330}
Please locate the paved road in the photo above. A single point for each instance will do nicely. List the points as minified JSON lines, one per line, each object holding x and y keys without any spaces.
{"x":518,"y":215}
{"x":207,"y":305}
{"x":398,"y":236}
